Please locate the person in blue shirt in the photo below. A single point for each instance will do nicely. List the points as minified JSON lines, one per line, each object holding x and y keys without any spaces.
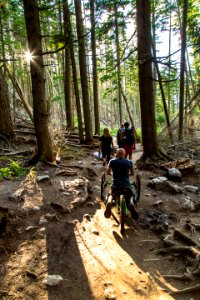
{"x":120,"y":169}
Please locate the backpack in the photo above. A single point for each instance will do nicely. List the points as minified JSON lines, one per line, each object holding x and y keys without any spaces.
{"x":128,"y":137}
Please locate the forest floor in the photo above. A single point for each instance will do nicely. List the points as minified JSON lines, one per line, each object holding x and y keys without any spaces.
{"x":56,"y":226}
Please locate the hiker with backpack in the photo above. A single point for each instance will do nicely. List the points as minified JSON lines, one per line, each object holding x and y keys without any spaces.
{"x":119,"y":140}
{"x":128,"y":140}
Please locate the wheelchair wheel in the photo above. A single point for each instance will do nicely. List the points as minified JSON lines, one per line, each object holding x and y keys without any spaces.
{"x":137,"y":185}
{"x":103,"y":178}
{"x":122,"y":213}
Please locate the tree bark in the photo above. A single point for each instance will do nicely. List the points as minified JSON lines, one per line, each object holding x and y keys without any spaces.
{"x":162,"y":95}
{"x":149,"y":137}
{"x":74,"y":72}
{"x":118,"y":64}
{"x":83,"y":73}
{"x":6,"y":127}
{"x":67,"y":74}
{"x":182,"y":69}
{"x":94,"y":70}
{"x":40,"y":106}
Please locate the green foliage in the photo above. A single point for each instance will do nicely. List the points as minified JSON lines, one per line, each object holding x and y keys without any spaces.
{"x":13,"y":170}
{"x":139,"y":134}
{"x":160,"y":118}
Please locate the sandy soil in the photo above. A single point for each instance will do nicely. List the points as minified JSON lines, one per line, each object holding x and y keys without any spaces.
{"x":57,"y":227}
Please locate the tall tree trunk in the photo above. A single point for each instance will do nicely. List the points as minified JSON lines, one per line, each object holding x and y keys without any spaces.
{"x":153,"y":20}
{"x":74,"y":72}
{"x":40,"y":107}
{"x":6,"y":127}
{"x":94,"y":70}
{"x":162,"y":95}
{"x":67,"y":74}
{"x":182,"y":69}
{"x":118,"y":64}
{"x":149,"y":137}
{"x":169,"y":62}
{"x":21,"y":95}
{"x":83,"y":73}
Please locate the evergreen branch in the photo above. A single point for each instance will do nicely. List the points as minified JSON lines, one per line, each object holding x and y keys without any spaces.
{"x":165,"y":81}
{"x":165,"y":64}
{"x":6,"y":59}
{"x":41,"y":8}
{"x":122,"y":60}
{"x":54,"y":51}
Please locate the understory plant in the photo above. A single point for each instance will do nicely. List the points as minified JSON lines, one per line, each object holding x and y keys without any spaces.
{"x":12,"y":170}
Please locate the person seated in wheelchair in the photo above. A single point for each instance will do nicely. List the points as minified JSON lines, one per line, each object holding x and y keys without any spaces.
{"x":120,"y":168}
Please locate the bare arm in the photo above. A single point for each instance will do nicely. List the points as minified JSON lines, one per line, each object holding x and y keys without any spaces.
{"x":131,"y":171}
{"x":100,"y":145}
{"x":109,"y":171}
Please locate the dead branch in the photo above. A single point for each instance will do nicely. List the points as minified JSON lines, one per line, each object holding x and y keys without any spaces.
{"x":158,"y":259}
{"x":179,"y":277}
{"x":185,"y":238}
{"x":21,"y":95}
{"x":25,"y":132}
{"x":25,"y":152}
{"x":194,"y":288}
{"x":71,"y":166}
{"x":186,"y":106}
{"x":188,"y":250}
{"x":68,"y":172}
{"x":5,"y":139}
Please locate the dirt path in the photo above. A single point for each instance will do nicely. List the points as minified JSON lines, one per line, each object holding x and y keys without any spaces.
{"x":54,"y":232}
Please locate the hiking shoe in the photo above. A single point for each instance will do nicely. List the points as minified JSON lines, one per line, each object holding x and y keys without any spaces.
{"x":134,"y":213}
{"x":107,"y":212}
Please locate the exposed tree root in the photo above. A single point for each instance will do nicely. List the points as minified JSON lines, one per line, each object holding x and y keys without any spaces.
{"x":179,"y":277}
{"x":193,"y":256}
{"x":181,"y":250}
{"x":194,"y":288}
{"x":154,"y":161}
{"x":182,"y":236}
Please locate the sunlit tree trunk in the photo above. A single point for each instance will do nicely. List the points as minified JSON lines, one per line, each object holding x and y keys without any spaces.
{"x":6,"y":127}
{"x":94,"y":67}
{"x":67,"y":75}
{"x":149,"y":137}
{"x":182,"y":69}
{"x":74,"y":72}
{"x":118,"y":64}
{"x":83,"y":73}
{"x":40,"y":104}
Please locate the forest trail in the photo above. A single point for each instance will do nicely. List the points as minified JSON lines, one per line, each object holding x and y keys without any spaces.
{"x":57,"y":227}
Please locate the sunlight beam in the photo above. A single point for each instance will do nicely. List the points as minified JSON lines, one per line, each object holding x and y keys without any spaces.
{"x":28,"y":56}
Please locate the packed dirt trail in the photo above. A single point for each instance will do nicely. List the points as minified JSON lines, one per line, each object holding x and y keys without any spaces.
{"x":57,"y":227}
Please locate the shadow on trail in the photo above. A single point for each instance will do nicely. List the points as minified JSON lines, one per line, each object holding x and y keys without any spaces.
{"x":30,"y":250}
{"x":64,"y":256}
{"x":130,"y":242}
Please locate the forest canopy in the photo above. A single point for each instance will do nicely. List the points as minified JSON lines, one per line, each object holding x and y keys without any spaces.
{"x":87,"y":53}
